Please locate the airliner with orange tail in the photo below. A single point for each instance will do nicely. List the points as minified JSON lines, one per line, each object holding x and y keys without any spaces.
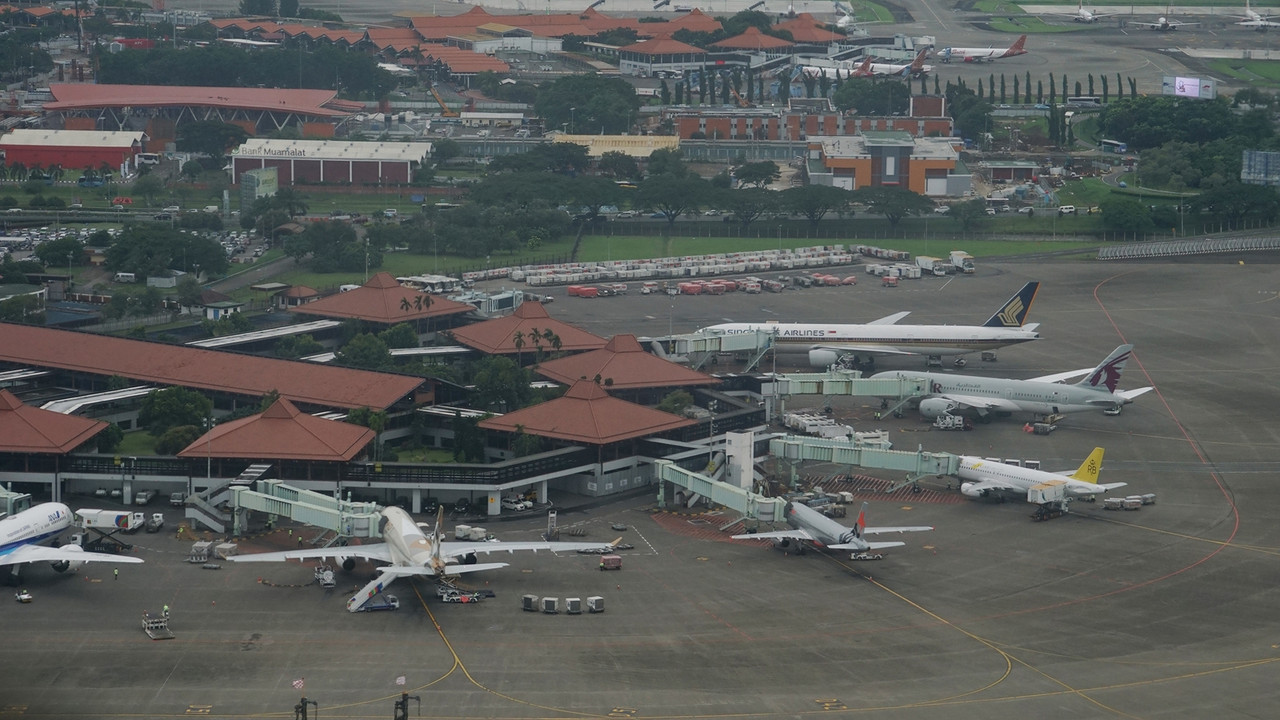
{"x":986,"y":54}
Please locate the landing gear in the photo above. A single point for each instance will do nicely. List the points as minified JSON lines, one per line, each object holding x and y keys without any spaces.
{"x":960,"y":362}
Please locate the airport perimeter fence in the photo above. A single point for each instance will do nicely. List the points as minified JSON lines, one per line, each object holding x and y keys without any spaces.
{"x":1180,"y":248}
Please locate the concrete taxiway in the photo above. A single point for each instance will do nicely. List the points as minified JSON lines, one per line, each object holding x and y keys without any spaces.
{"x":1167,"y":612}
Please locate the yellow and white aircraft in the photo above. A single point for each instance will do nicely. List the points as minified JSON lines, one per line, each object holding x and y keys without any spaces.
{"x":988,"y":478}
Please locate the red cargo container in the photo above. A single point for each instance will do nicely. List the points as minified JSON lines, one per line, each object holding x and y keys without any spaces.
{"x":588,"y":292}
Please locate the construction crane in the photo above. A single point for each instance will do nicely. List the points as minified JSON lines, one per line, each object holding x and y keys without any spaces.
{"x":594,"y":5}
{"x":445,"y":110}
{"x":753,"y":7}
{"x":742,"y":102}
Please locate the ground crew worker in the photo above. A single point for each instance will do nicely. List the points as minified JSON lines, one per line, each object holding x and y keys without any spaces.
{"x":299,"y":539}
{"x":166,"y":611}
{"x":117,"y":573}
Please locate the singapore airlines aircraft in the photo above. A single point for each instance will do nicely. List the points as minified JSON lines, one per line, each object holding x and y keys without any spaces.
{"x":986,"y":54}
{"x":410,"y":553}
{"x":982,"y":396}
{"x":21,"y":537}
{"x":811,"y":526}
{"x":826,"y":344}
{"x":989,"y":478}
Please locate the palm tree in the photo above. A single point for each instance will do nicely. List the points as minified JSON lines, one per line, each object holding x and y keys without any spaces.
{"x":553,"y":339}
{"x":518,"y":341}
{"x":535,"y":337}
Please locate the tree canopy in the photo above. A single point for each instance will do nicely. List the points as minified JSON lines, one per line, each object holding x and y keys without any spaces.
{"x":893,"y":203}
{"x":588,"y":104}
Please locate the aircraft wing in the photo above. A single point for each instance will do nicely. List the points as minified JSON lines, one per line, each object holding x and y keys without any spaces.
{"x":1119,"y":397}
{"x":993,"y":486}
{"x":974,"y":402}
{"x":866,"y":546}
{"x":40,"y":553}
{"x":896,"y":529}
{"x":865,"y":348}
{"x":1059,"y":377}
{"x":376,"y":551}
{"x":397,"y":571}
{"x":894,"y":318}
{"x":455,"y":549}
{"x":1075,"y":487}
{"x":778,"y":535}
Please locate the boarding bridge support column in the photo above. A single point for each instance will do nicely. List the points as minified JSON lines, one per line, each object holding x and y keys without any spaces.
{"x":494,"y":507}
{"x":415,"y":499}
{"x":745,"y":502}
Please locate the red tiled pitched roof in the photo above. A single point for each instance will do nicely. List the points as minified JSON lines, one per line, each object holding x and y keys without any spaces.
{"x":26,"y":429}
{"x":663,"y":46}
{"x":383,"y":300}
{"x":282,"y":432}
{"x":805,"y":28}
{"x":497,"y":336}
{"x":587,"y":414}
{"x":752,"y":39}
{"x":626,"y":364}
{"x":203,"y":369}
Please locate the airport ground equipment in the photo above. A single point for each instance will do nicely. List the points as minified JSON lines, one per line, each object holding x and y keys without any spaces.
{"x":156,"y":625}
{"x":200,"y":551}
{"x":12,"y":503}
{"x":551,"y":605}
{"x":100,"y":528}
{"x":381,"y":601}
{"x":595,"y":604}
{"x":324,"y":576}
{"x":529,"y":603}
{"x":23,"y":596}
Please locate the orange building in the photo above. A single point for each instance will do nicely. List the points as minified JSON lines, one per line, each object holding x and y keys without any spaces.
{"x":927,"y":166}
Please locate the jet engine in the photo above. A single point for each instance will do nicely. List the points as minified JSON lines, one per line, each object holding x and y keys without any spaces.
{"x":65,"y":565}
{"x":823,"y":358}
{"x":349,"y":564}
{"x":933,"y":407}
{"x":967,"y":489}
{"x":468,"y":559}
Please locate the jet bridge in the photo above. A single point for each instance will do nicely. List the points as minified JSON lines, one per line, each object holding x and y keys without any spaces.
{"x":917,"y":465}
{"x":700,"y":347}
{"x":344,"y":518}
{"x":749,"y":504}
{"x":841,"y":383}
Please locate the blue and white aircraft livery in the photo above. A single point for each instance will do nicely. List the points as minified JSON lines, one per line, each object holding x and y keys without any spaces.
{"x":21,"y":537}
{"x":983,"y":396}
{"x":411,"y":553}
{"x":836,"y":343}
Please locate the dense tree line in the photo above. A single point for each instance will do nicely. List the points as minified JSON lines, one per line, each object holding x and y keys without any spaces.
{"x":1153,"y":120}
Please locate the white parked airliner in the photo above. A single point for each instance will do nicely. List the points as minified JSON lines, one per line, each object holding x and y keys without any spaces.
{"x":844,"y":343}
{"x":410,"y":553}
{"x":986,"y":54}
{"x":983,"y":396}
{"x":982,"y":477}
{"x":812,"y":527}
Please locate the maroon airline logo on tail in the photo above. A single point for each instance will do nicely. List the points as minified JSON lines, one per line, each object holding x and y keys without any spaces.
{"x":1017,"y":48}
{"x":1109,"y":374}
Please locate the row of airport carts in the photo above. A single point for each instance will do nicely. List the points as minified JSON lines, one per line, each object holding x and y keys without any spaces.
{"x":551,"y":605}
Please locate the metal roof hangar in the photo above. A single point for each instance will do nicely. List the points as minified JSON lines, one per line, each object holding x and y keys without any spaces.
{"x":332,"y":161}
{"x":257,"y":110}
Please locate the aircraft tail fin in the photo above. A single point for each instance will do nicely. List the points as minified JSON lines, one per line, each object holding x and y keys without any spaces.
{"x":864,"y":69}
{"x":1107,"y":375}
{"x":1089,"y":469}
{"x":1018,"y":48}
{"x":1014,"y":312}
{"x":861,"y":524}
{"x":917,"y":66}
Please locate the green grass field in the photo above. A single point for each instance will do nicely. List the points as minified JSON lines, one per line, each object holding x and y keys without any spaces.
{"x":1259,"y":73}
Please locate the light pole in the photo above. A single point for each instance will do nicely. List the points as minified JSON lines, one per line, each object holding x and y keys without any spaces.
{"x":572,"y":125}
